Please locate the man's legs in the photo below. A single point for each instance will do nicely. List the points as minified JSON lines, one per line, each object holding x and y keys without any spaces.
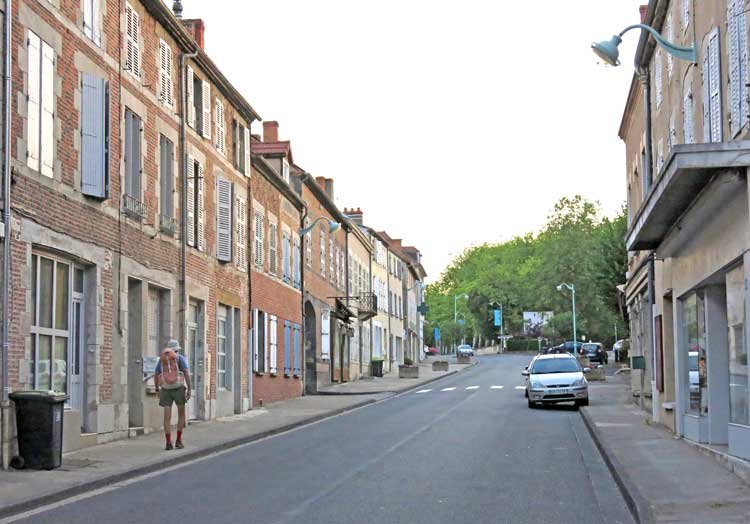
{"x":168,"y":426}
{"x":180,"y":424}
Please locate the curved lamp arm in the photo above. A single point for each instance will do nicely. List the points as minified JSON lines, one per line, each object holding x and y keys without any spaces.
{"x":333,"y":226}
{"x":607,"y":49}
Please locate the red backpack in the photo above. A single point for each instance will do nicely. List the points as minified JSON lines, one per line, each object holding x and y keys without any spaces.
{"x":170,"y":367}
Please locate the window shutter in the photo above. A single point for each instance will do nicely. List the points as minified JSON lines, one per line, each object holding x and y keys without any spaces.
{"x":296,"y":350}
{"x":33,"y":50}
{"x":285,"y":255}
{"x":657,"y":78}
{"x":297,"y":261}
{"x":191,"y":201}
{"x":93,"y":134}
{"x":206,"y":106}
{"x":258,"y":243}
{"x":241,"y":234}
{"x":687,"y":117}
{"x":236,"y":144}
{"x":744,"y":66}
{"x":706,"y":99}
{"x":220,"y":128}
{"x":133,"y":59}
{"x":88,"y":18}
{"x":132,"y":154}
{"x":165,"y":73}
{"x":273,"y":357}
{"x":95,"y":21}
{"x":255,"y":341}
{"x":223,"y":219}
{"x":190,"y":96}
{"x":48,"y":110}
{"x":734,"y":67}
{"x":670,"y":38}
{"x":273,"y":235}
{"x":715,"y":85}
{"x":166,"y":176}
{"x":287,"y":349}
{"x":247,"y":151}
{"x":685,"y":14}
{"x":325,"y":337}
{"x":201,"y":209}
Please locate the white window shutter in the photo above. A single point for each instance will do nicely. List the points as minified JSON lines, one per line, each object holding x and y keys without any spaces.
{"x":190,"y":201}
{"x":255,"y":340}
{"x":325,"y":337}
{"x":744,"y":66}
{"x":48,"y":110}
{"x":687,"y":117}
{"x":220,"y":128}
{"x":93,"y":136}
{"x":133,"y":57}
{"x":96,"y":21}
{"x":206,"y":94}
{"x":88,"y":18}
{"x":190,"y":97}
{"x":165,"y":73}
{"x":734,"y":67}
{"x":223,"y":219}
{"x":670,"y":38}
{"x":201,"y":209}
{"x":247,"y":151}
{"x":241,"y":233}
{"x":265,"y":341}
{"x":657,"y":79}
{"x":685,"y":14}
{"x":33,"y":50}
{"x":272,"y":357}
{"x":706,"y":98}
{"x":715,"y":85}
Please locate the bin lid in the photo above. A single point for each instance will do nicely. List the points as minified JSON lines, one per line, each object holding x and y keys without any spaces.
{"x":51,"y":397}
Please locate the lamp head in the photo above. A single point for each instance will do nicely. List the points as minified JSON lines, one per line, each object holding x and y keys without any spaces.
{"x":333,"y":226}
{"x":559,"y":287}
{"x":607,"y":50}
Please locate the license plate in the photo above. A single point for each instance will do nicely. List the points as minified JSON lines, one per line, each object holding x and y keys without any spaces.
{"x":557,"y":391}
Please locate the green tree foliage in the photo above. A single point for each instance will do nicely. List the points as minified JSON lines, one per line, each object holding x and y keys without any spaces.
{"x":577,"y":245}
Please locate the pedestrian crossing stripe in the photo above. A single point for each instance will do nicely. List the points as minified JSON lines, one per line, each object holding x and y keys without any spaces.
{"x":447,"y":389}
{"x":472,"y":387}
{"x":497,"y":387}
{"x":520,"y":387}
{"x":424,"y":391}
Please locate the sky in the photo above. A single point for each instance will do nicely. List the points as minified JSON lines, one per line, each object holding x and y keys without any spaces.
{"x":450,"y":124}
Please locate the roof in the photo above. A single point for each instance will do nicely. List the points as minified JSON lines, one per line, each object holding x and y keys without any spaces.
{"x":270,"y":174}
{"x":633,"y":98}
{"x":282,"y":147}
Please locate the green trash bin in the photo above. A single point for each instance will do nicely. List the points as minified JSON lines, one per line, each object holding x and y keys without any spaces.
{"x":39,"y":418}
{"x":377,"y":368}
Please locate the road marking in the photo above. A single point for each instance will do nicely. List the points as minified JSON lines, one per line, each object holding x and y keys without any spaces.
{"x":497,"y":387}
{"x":424,"y":391}
{"x":472,"y":387}
{"x":447,"y":389}
{"x":520,"y":387}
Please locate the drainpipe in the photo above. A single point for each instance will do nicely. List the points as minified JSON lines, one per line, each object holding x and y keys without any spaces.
{"x":388,"y":306}
{"x":346,"y":287}
{"x":183,"y":199}
{"x":4,"y":402}
{"x":303,"y":356}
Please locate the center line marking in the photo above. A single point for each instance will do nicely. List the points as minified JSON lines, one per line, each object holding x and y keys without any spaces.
{"x":520,"y":387}
{"x":472,"y":387}
{"x":497,"y":387}
{"x":424,"y":391}
{"x":447,"y":389}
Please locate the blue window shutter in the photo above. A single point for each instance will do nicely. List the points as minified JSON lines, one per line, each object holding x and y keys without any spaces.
{"x":94,"y":136}
{"x":287,"y":341}
{"x":224,"y":219}
{"x":296,"y":350}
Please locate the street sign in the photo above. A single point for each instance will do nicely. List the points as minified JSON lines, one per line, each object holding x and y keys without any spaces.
{"x":437,"y":335}
{"x":498,"y":317}
{"x":638,"y":362}
{"x":461,"y":321}
{"x":423,"y":308}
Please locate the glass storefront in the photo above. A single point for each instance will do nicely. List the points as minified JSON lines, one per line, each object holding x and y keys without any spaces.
{"x":738,"y":369}
{"x":694,"y":325}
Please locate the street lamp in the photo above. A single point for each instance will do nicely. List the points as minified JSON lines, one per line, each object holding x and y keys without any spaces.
{"x":607,"y":49}
{"x":572,"y":289}
{"x":332,"y":226}
{"x":455,"y":312}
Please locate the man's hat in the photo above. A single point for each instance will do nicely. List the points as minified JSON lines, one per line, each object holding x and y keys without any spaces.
{"x":173,"y":345}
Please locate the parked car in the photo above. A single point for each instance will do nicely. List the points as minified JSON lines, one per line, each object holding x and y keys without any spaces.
{"x":431,"y":351}
{"x":464,"y":350}
{"x":556,"y":378}
{"x":566,"y":347}
{"x":594,"y":351}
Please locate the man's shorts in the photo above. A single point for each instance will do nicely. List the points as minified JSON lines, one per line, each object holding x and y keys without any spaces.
{"x":176,"y":395}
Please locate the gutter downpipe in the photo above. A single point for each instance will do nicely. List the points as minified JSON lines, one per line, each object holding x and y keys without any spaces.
{"x":346,"y":287}
{"x":5,"y":402}
{"x":302,"y":220}
{"x":183,"y":199}
{"x":388,"y":305}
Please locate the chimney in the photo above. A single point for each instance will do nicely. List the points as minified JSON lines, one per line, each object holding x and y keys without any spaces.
{"x":329,"y":188}
{"x":196,"y":28}
{"x":396,"y":242}
{"x":643,"y":10}
{"x":270,"y":131}
{"x":177,"y":8}
{"x":355,"y":215}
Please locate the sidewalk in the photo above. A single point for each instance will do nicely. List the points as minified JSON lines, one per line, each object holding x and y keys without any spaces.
{"x":390,"y":383}
{"x":663,"y":478}
{"x":98,"y":466}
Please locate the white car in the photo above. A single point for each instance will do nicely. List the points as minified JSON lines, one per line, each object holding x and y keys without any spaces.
{"x":556,"y":378}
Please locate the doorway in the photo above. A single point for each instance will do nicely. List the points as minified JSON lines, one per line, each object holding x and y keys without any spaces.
{"x":195,"y":355}
{"x":135,"y":353}
{"x":311,"y":331}
{"x":76,"y":363}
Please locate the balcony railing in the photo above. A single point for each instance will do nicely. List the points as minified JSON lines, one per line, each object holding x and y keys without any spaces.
{"x":134,"y":207}
{"x":367,"y":305}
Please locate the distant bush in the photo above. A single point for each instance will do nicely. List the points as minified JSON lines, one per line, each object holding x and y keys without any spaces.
{"x":522,"y":344}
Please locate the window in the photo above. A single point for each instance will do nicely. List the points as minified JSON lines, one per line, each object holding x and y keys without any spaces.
{"x":285,"y":252}
{"x":657,"y":79}
{"x":670,"y":38}
{"x":297,"y":329}
{"x":191,"y":100}
{"x":685,"y":15}
{"x":712,"y":90}
{"x":308,"y":246}
{"x":92,"y":20}
{"x":687,"y":117}
{"x":258,"y":255}
{"x":296,"y":270}
{"x":273,"y":248}
{"x":287,"y":348}
{"x":325,"y":335}
{"x":241,"y":233}
{"x":202,"y":98}
{"x":260,"y":338}
{"x":285,"y":170}
{"x":40,"y":97}
{"x":646,"y":170}
{"x":166,"y":179}
{"x":220,"y":136}
{"x":49,"y":323}
{"x":739,"y":412}
{"x":94,"y":136}
{"x":738,"y":66}
{"x":322,"y":252}
{"x":241,"y":141}
{"x":195,"y":208}
{"x":224,"y":343}
{"x":224,"y":200}
{"x":165,"y":74}
{"x":331,"y":261}
{"x":273,"y":333}
{"x":133,"y":165}
{"x":694,"y":328}
{"x":132,"y":41}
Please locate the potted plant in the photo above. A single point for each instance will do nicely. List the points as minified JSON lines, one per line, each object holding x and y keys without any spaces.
{"x":408,"y":369}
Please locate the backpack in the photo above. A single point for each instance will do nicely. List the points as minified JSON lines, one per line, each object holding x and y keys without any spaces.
{"x":170,"y":367}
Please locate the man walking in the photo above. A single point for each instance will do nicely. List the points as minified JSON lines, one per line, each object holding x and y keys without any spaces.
{"x":172,"y":381}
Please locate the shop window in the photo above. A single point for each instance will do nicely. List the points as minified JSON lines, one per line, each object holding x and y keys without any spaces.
{"x":738,"y":369}
{"x":694,"y":325}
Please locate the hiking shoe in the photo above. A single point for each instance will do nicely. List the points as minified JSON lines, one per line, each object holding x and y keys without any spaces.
{"x":179,"y":444}
{"x":168,"y":447}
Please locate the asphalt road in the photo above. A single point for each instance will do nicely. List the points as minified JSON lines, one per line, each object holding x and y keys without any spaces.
{"x":458,"y":456}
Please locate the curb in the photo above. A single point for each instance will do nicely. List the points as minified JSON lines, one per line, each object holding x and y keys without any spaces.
{"x":638,"y":505}
{"x":397,"y":391}
{"x":84,"y":487}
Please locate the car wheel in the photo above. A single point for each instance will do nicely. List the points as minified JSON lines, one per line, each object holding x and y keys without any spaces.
{"x":526,"y":393}
{"x":532,"y":405}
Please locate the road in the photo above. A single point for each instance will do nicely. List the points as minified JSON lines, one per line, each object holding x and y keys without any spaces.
{"x":473,"y":454}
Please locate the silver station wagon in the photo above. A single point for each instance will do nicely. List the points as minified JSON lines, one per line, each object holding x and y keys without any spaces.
{"x":556,"y":378}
